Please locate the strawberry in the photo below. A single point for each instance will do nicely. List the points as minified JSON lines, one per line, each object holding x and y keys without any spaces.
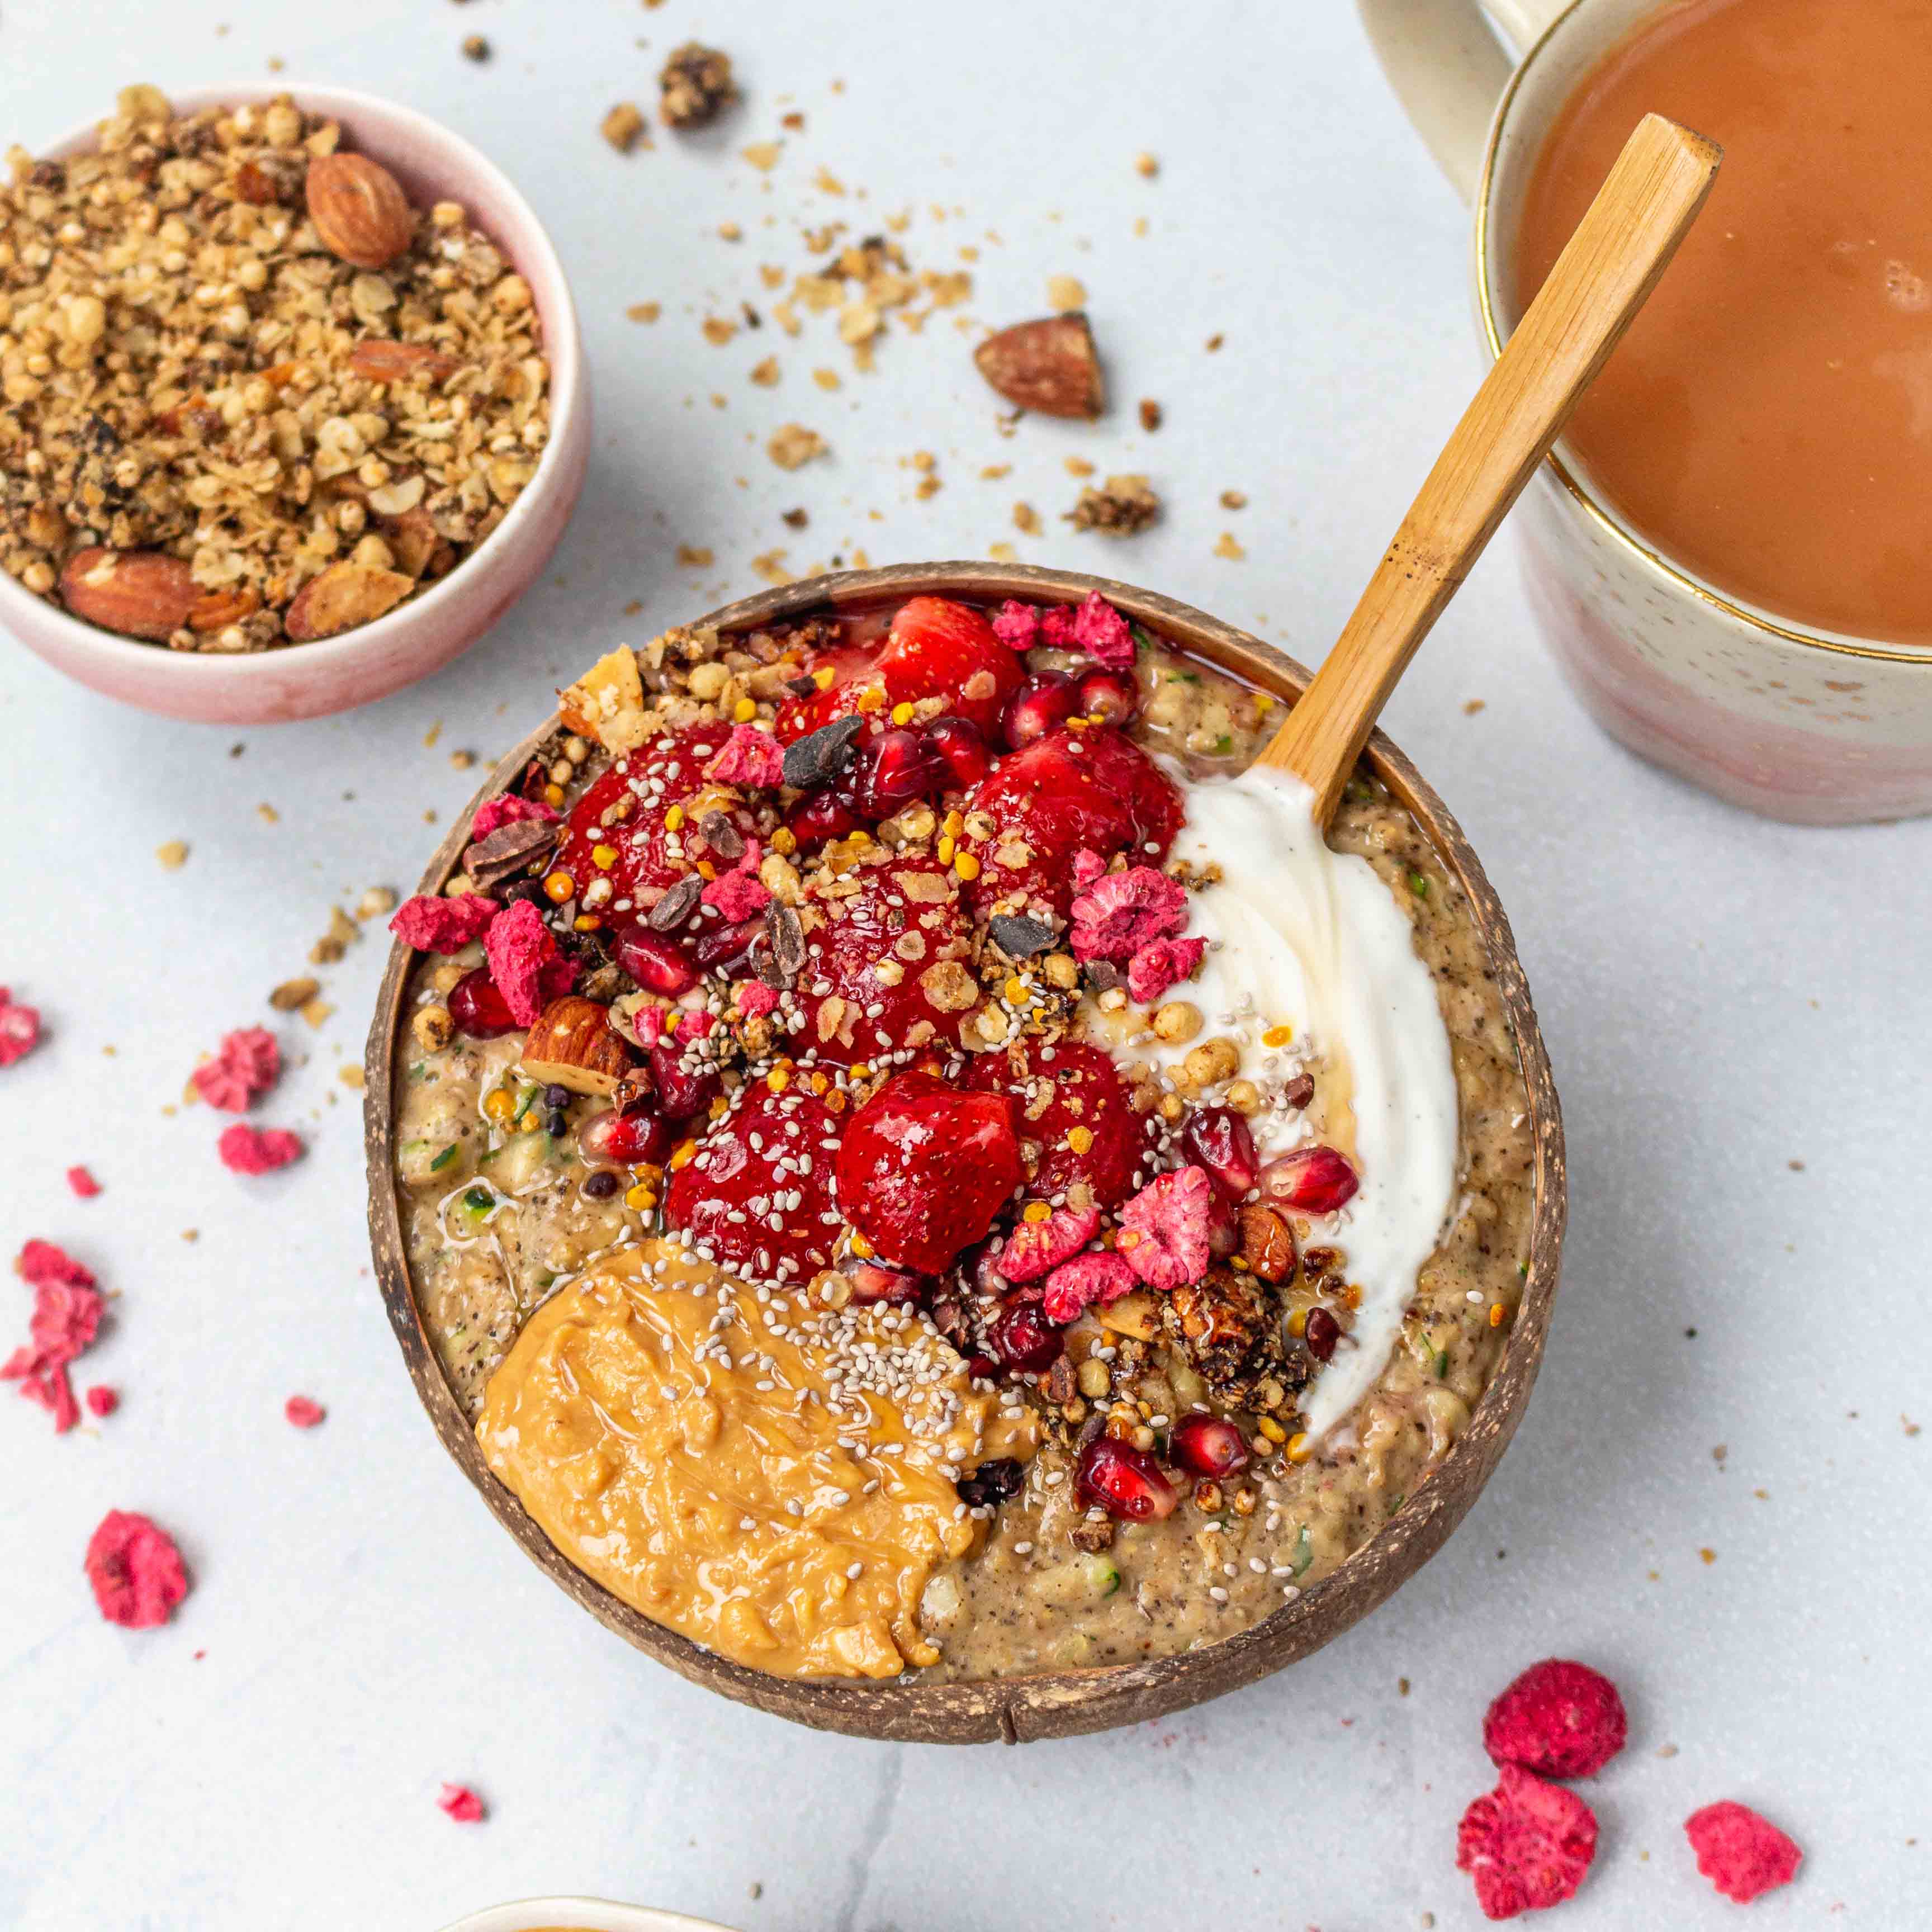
{"x":758,"y":1193}
{"x":1066,"y":793}
{"x":1079,"y":1088}
{"x":905,"y":918}
{"x":924,"y":1169}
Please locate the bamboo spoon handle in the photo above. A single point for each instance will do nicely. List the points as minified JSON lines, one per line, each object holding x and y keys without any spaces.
{"x":1603,"y":276}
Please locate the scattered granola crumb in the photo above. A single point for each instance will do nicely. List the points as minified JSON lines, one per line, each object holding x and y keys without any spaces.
{"x":476,"y":48}
{"x":764,"y":155}
{"x":646,"y":311}
{"x":793,"y":445}
{"x":1151,"y":413}
{"x":729,"y":231}
{"x":994,"y":472}
{"x":1065,"y":293}
{"x":376,"y":902}
{"x":1079,"y":466}
{"x":173,"y":855}
{"x":623,"y":127}
{"x":770,"y":565}
{"x":1123,"y":507}
{"x":796,"y":520}
{"x":350,"y":1074}
{"x":315,"y":1011}
{"x":292,"y":994}
{"x":267,"y":814}
{"x":695,"y":86}
{"x":1026,"y":519}
{"x":461,"y":761}
{"x":694,"y":556}
{"x":1228,"y":545}
{"x":826,"y":378}
{"x":1234,"y":500}
{"x":1145,"y":165}
{"x":766,"y":373}
{"x":342,"y":934}
{"x":1003,"y":552}
{"x":1213,"y":343}
{"x":1474,"y":705}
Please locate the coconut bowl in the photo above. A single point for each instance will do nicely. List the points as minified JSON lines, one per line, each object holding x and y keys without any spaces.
{"x":1053,"y":1703}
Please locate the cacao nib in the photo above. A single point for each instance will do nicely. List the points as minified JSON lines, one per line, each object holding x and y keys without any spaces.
{"x":821,"y":754}
{"x":1019,"y":937}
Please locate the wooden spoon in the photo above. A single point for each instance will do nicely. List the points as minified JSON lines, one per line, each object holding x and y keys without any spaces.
{"x":1603,"y":276}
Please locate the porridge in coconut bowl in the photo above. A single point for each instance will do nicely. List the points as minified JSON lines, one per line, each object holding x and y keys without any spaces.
{"x":912,"y":1167}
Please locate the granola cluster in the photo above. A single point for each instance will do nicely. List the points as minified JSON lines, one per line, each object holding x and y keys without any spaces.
{"x":222,"y":392}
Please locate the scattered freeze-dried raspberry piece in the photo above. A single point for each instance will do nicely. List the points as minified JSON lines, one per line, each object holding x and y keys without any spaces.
{"x":136,"y":1570}
{"x":751,"y":757}
{"x":519,"y":946}
{"x":1035,"y":1247}
{"x":1165,"y":1228}
{"x":508,"y":809}
{"x":246,"y":1149}
{"x":1103,"y":634}
{"x":1741,"y":1853}
{"x":303,"y":1411}
{"x":1559,"y":1719}
{"x":1087,"y":866}
{"x":1017,"y":625}
{"x":647,"y":1023}
{"x":739,"y":893}
{"x":1081,"y":1282}
{"x":247,"y":1065}
{"x":1057,"y":623}
{"x":20,"y":1028}
{"x":434,"y":925}
{"x":694,"y":1024}
{"x":755,"y":999}
{"x":1527,"y":1844}
{"x":102,"y":1400}
{"x":1121,"y":912}
{"x":83,"y":1182}
{"x":67,"y":1314}
{"x":1163,"y":963}
{"x":462,"y":1804}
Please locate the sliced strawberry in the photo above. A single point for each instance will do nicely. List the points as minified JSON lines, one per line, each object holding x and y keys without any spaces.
{"x":901,"y":944}
{"x":1068,"y":792}
{"x":759,"y":1192}
{"x":1080,"y":1087}
{"x":924,"y":1169}
{"x":853,"y":667}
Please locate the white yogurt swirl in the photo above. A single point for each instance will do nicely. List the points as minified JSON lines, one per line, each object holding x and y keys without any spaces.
{"x":1305,"y":938}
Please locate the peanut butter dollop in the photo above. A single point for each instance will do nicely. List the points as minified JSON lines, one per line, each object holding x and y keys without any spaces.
{"x":771,"y":1477}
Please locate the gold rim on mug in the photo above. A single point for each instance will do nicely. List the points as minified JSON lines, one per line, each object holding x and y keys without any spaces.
{"x":1841,"y":645}
{"x":1065,"y":1701}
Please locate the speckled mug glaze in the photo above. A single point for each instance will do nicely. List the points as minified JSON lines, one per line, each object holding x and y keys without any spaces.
{"x":1805,"y":725}
{"x":336,"y":673}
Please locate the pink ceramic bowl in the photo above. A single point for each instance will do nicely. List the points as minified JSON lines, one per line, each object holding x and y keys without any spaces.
{"x":336,"y":673}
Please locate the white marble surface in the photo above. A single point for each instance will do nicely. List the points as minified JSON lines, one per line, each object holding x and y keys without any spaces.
{"x":1723,"y":999}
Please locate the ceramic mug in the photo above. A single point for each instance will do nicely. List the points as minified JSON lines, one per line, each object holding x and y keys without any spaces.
{"x":1806,"y":725}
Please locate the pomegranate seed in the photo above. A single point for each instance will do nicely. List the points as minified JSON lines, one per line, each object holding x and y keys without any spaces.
{"x":893,"y":770}
{"x":1210,"y":1445}
{"x":1218,"y":1139}
{"x":981,"y":1368}
{"x":724,"y":944}
{"x":873,"y":1281}
{"x":959,"y":747}
{"x":478,"y":1009}
{"x":1045,"y":700}
{"x":1321,"y":1334}
{"x":820,"y":816}
{"x":1023,"y":1338}
{"x":632,"y":1139}
{"x":681,"y":1093}
{"x":659,"y":964}
{"x":1317,"y":1180}
{"x":1125,"y":1481}
{"x":1112,"y":696}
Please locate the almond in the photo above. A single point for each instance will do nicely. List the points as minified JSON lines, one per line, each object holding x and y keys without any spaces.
{"x":359,"y":210}
{"x":1268,"y":1242}
{"x":412,"y":538}
{"x":572,"y":1045}
{"x":1047,"y":365}
{"x":344,"y":596}
{"x":375,"y":360}
{"x":140,"y":593}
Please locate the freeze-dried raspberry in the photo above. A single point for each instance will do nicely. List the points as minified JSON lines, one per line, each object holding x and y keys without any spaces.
{"x":520,"y":947}
{"x":303,"y":1411}
{"x":248,"y":1064}
{"x":1017,"y":625}
{"x":1121,"y":912}
{"x":432,"y":925}
{"x":1527,"y":1844}
{"x":1740,"y":1852}
{"x":1165,"y":1228}
{"x":68,"y":1307}
{"x":1163,"y":963}
{"x":1087,"y":866}
{"x":1561,"y":1719}
{"x":1086,"y":1280}
{"x":507,"y":809}
{"x":1056,"y":627}
{"x":751,"y":757}
{"x":739,"y":893}
{"x":246,"y":1149}
{"x":20,"y":1028}
{"x":755,"y":999}
{"x":462,"y":1804}
{"x":1035,"y":1247}
{"x":39,"y":1262}
{"x":136,"y":1570}
{"x":1103,"y":634}
{"x":102,"y":1400}
{"x":83,"y":1182}
{"x":695,"y":1024}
